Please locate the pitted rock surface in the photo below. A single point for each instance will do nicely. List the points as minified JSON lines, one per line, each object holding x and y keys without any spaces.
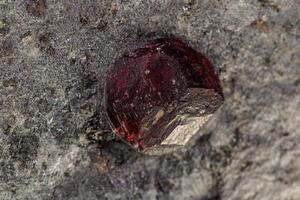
{"x":54,"y":142}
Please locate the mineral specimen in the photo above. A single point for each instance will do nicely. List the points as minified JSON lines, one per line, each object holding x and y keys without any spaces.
{"x":148,"y":90}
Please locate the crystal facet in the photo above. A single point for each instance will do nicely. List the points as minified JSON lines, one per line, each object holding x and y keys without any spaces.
{"x":146,"y":89}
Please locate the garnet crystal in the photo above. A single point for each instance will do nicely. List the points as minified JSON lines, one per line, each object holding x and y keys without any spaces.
{"x":147,"y":88}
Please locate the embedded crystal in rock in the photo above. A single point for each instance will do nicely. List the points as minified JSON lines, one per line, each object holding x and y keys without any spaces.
{"x":148,"y":88}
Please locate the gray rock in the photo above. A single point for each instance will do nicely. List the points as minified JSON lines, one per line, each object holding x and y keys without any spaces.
{"x":54,"y":143}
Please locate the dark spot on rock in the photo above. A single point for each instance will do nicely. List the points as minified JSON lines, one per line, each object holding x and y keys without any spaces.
{"x":66,"y":174}
{"x":268,"y":61}
{"x":44,"y":106}
{"x":36,"y":8}
{"x":23,"y":148}
{"x":289,"y":27}
{"x":269,"y":4}
{"x":83,"y":19}
{"x":297,"y":82}
{"x":246,"y":165}
{"x":144,"y":34}
{"x":162,"y":184}
{"x":72,"y":61}
{"x":114,"y":9}
{"x":285,"y":134}
{"x":4,"y":29}
{"x":93,"y":14}
{"x":6,"y":49}
{"x":89,"y":80}
{"x":7,"y":171}
{"x":260,"y":25}
{"x":100,"y":25}
{"x":25,"y":35}
{"x":11,"y":82}
{"x":4,"y":126}
{"x":46,"y":43}
{"x":108,"y":155}
{"x":86,"y":107}
{"x":7,"y":129}
{"x":44,"y":166}
{"x":190,"y":2}
{"x":97,"y":129}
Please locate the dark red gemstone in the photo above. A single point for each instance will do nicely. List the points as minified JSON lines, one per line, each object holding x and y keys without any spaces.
{"x":144,"y":86}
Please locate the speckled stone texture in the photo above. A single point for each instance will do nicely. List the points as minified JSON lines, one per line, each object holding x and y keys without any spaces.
{"x":54,"y":143}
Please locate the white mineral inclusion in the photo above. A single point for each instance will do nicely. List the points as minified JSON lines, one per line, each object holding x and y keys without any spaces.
{"x":183,"y":133}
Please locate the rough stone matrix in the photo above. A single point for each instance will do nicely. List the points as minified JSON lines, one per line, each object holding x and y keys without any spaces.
{"x":54,"y":143}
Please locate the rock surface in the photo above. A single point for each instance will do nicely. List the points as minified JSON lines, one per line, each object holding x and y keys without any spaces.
{"x":54,"y":143}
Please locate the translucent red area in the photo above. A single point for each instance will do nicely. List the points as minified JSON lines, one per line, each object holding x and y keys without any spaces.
{"x":148,"y":80}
